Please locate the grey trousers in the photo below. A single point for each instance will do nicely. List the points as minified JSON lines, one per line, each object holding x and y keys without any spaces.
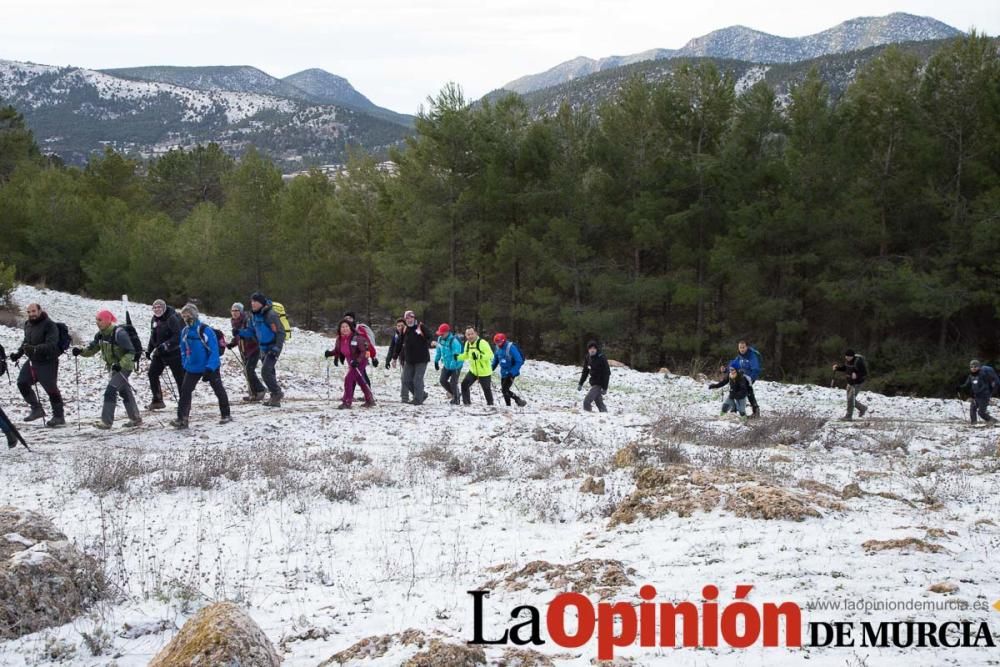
{"x":852,"y":399}
{"x":594,"y":396}
{"x":270,"y":376}
{"x":449,"y":380}
{"x":118,"y":386}
{"x":979,"y":405}
{"x":413,"y":382}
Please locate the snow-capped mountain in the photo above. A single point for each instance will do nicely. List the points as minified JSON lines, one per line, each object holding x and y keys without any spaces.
{"x":75,"y":112}
{"x":323,"y":87}
{"x":742,"y":43}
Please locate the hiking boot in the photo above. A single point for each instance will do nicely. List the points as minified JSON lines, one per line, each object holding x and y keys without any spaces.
{"x":368,"y":404}
{"x":255,"y":397}
{"x":344,"y":406}
{"x":520,"y":402}
{"x":226,"y":419}
{"x":846,"y":418}
{"x":56,"y":422}
{"x":421,"y":401}
{"x":157,"y":404}
{"x":756,"y":413}
{"x":862,"y":409}
{"x":11,"y":440}
{"x":103,"y":425}
{"x":179,"y":423}
{"x":132,"y":423}
{"x":274,"y":401}
{"x":36,"y":413}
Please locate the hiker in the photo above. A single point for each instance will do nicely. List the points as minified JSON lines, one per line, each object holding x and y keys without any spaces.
{"x":479,"y":354}
{"x":595,"y":365}
{"x":981,"y":386}
{"x":164,"y":350}
{"x":8,"y":429}
{"x":245,"y":340}
{"x":351,"y":349}
{"x":415,"y":355}
{"x":508,"y":356}
{"x":739,"y":389}
{"x":446,"y":354}
{"x":118,"y":355}
{"x":366,"y":331}
{"x":200,"y":356}
{"x":747,"y":361}
{"x":41,"y":346}
{"x":395,"y":353}
{"x":270,"y":335}
{"x":857,"y":371}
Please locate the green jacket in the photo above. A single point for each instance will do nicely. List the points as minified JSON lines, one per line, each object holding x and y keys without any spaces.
{"x":479,"y":356}
{"x":115,"y":348}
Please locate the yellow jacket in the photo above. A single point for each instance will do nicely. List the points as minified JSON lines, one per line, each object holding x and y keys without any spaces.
{"x":479,"y":354}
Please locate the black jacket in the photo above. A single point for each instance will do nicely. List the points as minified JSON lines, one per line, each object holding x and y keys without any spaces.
{"x":978,"y":385}
{"x":43,"y":334}
{"x":396,"y":349}
{"x":739,"y":387}
{"x":416,"y":344}
{"x":165,"y":330}
{"x":598,"y":369}
{"x":858,"y":367}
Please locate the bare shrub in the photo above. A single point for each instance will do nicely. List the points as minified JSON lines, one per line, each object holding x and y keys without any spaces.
{"x":102,"y":472}
{"x":432,"y":454}
{"x":98,"y":642}
{"x":339,"y":489}
{"x":202,"y":468}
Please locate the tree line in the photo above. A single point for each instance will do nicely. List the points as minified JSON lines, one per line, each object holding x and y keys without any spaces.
{"x":668,"y":222}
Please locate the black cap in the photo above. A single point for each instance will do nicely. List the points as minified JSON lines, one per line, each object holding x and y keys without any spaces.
{"x":592,"y":343}
{"x":259,"y":298}
{"x":848,"y":352}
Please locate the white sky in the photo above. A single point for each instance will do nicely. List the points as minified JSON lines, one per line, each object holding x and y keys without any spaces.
{"x":398,"y":52}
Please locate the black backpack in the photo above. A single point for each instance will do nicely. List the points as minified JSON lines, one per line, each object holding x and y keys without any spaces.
{"x":219,"y":336}
{"x":65,"y":340}
{"x":133,"y":337}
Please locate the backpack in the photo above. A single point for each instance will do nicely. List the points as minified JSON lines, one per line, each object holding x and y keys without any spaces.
{"x":133,"y":337}
{"x":508,"y":355}
{"x":283,"y":318}
{"x":991,"y":377}
{"x":65,"y":340}
{"x":369,"y":334}
{"x":219,"y":337}
{"x":760,"y":358}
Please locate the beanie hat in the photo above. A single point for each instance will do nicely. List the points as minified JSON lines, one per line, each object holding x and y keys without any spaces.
{"x":592,"y":343}
{"x":160,"y":302}
{"x":444,"y":329}
{"x":190,"y":309}
{"x":848,"y":352}
{"x":237,"y":306}
{"x":500,"y":339}
{"x":974,"y":363}
{"x":350,"y":314}
{"x":409,"y":313}
{"x":106,"y":315}
{"x":259,"y":298}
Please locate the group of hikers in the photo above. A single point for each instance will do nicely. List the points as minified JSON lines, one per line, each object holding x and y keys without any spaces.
{"x":192,"y":351}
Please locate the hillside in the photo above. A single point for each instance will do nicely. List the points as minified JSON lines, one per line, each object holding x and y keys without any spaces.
{"x":75,"y":112}
{"x":746,"y":44}
{"x":331,"y":526}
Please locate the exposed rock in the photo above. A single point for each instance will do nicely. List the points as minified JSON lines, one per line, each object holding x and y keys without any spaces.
{"x":604,"y":577}
{"x":852,"y":490}
{"x":945,"y":587}
{"x":626,"y":457}
{"x":376,"y":646}
{"x":616,"y":364}
{"x":44,"y":579}
{"x":220,"y":635}
{"x":522,"y":657}
{"x":591,"y":485}
{"x":769,"y":502}
{"x":905,"y":544}
{"x":442,"y":653}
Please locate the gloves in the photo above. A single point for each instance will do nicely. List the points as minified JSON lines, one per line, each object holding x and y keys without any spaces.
{"x":147,"y":355}
{"x":475,"y":356}
{"x":354,"y":364}
{"x":514,"y":375}
{"x":17,"y":355}
{"x":437,"y":366}
{"x":76,"y":352}
{"x":328,"y":353}
{"x":27,"y":349}
{"x":375,"y":362}
{"x":271,"y":354}
{"x":233,"y":343}
{"x":116,"y":367}
{"x":579,"y":387}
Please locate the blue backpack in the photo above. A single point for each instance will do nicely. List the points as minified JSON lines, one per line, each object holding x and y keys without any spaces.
{"x":992,"y":378}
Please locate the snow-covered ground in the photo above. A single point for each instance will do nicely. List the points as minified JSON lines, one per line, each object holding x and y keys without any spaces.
{"x":332,"y":526}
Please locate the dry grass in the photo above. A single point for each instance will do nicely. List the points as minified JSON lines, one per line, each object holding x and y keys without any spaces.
{"x":102,"y":472}
{"x":906,"y":544}
{"x":603,"y":577}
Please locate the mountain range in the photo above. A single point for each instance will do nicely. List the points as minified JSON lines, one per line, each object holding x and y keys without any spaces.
{"x":313,"y":117}
{"x":746,"y":44}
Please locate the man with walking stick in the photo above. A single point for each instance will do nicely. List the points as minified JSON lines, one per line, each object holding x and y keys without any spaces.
{"x":163,"y":350}
{"x":41,"y":347}
{"x":118,"y":355}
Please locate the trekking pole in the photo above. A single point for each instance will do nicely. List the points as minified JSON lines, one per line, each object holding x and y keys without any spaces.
{"x":34,"y":388}
{"x":76,"y":363}
{"x":170,"y":384}
{"x":328,"y":379}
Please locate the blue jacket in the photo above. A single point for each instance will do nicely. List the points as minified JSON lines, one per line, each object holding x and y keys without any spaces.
{"x":268,"y":331}
{"x":748,"y":363}
{"x":448,"y":348}
{"x":510,"y":360}
{"x":199,"y":348}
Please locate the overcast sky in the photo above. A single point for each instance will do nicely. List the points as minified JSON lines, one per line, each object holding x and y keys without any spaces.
{"x":398,"y":52}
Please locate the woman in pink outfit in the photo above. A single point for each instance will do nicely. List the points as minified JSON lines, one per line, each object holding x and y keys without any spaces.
{"x":351,"y":349}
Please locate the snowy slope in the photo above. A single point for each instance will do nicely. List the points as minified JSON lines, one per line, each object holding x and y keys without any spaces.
{"x":332,"y":526}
